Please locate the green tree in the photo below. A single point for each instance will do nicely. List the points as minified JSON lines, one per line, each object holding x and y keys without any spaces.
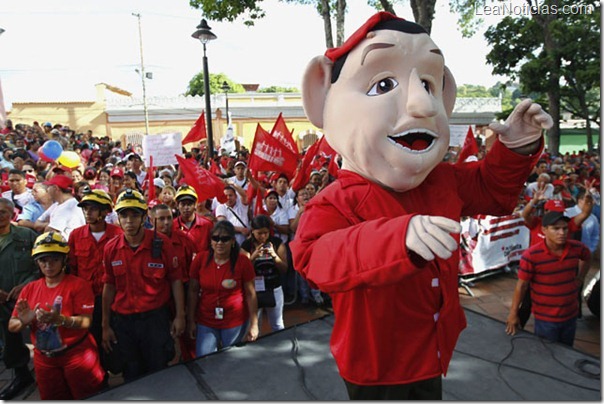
{"x":276,"y":89}
{"x":532,"y":50}
{"x":196,"y":85}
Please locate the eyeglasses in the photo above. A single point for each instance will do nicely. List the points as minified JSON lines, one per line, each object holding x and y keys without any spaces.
{"x":224,"y":239}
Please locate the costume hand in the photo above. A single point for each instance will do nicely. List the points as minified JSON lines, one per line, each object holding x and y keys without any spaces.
{"x":429,"y":236}
{"x":24,"y":312}
{"x":523,"y":126}
{"x":512,"y":324}
{"x":109,"y":339}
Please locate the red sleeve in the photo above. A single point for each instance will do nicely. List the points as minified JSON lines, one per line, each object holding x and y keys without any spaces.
{"x":195,"y":267}
{"x":336,"y":255}
{"x":492,"y":185}
{"x":72,"y":257}
{"x":171,"y":261}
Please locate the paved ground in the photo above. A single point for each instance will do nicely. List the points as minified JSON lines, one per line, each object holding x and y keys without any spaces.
{"x":492,"y":297}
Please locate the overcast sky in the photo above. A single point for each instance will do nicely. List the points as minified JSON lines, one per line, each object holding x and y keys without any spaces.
{"x":56,"y":50}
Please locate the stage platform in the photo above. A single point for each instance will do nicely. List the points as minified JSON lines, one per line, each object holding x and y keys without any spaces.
{"x":295,"y":364}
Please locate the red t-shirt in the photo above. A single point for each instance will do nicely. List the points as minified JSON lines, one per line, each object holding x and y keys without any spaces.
{"x":77,"y":299}
{"x":222,"y":288}
{"x":553,"y":286}
{"x":142,"y":283}
{"x":199,"y":232}
{"x":86,"y":254}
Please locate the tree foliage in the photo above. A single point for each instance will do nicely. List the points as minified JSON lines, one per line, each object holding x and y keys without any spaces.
{"x":277,"y":89}
{"x":196,"y":85}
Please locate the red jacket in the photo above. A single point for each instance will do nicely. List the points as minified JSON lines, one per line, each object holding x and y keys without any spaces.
{"x":86,"y":254}
{"x":397,"y":317}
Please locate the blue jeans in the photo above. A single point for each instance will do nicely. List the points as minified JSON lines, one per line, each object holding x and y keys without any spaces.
{"x":208,"y":339}
{"x":563,"y":332}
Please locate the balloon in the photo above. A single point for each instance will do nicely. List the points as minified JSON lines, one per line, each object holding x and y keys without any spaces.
{"x":52,"y":149}
{"x":69,"y":159}
{"x":44,"y":156}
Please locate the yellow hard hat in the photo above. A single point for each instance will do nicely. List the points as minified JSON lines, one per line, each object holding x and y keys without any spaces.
{"x":97,"y":197}
{"x":130,"y":199}
{"x":49,"y":242}
{"x":186,"y":192}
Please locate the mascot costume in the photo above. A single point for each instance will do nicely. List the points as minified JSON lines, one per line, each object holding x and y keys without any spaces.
{"x":382,"y":239}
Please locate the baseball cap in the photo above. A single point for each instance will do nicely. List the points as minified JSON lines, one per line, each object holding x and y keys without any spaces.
{"x":554,"y":205}
{"x":61,"y":181}
{"x":117,"y":172}
{"x":134,"y":156}
{"x":158,"y":182}
{"x":240,"y":163}
{"x":551,"y":218}
{"x":48,"y":124}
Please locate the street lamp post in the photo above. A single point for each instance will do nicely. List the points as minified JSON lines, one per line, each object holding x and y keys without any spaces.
{"x":225,"y":87}
{"x":204,"y":35}
{"x":142,"y":73}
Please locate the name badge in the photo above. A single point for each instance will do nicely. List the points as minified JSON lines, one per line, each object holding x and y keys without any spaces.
{"x":259,"y":284}
{"x":155,"y":265}
{"x":116,"y":263}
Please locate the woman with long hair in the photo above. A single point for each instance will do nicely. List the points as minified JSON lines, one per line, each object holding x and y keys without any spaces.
{"x":225,"y":312}
{"x":269,"y":257}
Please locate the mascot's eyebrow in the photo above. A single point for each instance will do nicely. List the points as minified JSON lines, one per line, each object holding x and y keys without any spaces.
{"x":373,"y":46}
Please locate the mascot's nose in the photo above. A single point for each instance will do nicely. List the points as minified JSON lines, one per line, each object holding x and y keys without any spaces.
{"x":420,"y":104}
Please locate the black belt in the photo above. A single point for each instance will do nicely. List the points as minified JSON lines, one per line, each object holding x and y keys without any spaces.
{"x":54,"y":354}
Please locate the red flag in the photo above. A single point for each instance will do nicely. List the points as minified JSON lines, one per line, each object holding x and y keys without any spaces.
{"x":469,"y":148}
{"x":198,"y":131}
{"x":206,"y":184}
{"x":269,"y":154}
{"x":282,"y":134}
{"x":215,"y":168}
{"x":150,"y":178}
{"x":259,"y":207}
{"x":303,"y":174}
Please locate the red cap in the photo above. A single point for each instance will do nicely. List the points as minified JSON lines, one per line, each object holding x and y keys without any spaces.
{"x":335,"y":53}
{"x":559,"y":182}
{"x":117,"y":172}
{"x":61,"y":181}
{"x":554,"y":205}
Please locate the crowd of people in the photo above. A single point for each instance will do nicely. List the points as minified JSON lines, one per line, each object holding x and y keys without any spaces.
{"x":109,"y":279}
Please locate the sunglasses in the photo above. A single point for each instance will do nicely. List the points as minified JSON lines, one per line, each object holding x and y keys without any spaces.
{"x":224,"y":239}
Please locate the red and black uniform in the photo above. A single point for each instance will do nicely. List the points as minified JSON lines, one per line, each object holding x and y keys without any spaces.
{"x":140,"y":316}
{"x":199,"y":232}
{"x":74,"y":372}
{"x":553,"y":280}
{"x":222,"y":287}
{"x":397,"y":316}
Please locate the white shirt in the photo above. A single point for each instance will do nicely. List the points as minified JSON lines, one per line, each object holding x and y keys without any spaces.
{"x":532,"y":187}
{"x":280,"y":217}
{"x":22,"y":199}
{"x":66,"y":217}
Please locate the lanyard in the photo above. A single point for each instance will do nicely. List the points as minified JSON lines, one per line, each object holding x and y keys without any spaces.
{"x":219,"y":285}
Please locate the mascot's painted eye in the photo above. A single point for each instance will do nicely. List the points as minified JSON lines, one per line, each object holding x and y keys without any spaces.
{"x":383,"y":86}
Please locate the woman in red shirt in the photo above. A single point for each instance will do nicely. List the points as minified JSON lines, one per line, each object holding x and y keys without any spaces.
{"x":226,"y":310}
{"x":58,"y":309}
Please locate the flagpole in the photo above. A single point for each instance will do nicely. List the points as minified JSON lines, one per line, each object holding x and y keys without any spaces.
{"x":140,"y":39}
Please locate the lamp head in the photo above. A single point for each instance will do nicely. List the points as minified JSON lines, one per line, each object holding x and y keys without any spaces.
{"x":203,"y":32}
{"x":225,"y":86}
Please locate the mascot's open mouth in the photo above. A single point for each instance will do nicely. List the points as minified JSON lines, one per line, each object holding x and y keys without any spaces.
{"x":414,"y":140}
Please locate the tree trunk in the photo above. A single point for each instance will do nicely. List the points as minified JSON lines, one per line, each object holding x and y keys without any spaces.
{"x":340,"y":19}
{"x":387,"y":6}
{"x":325,"y":12}
{"x":423,"y":12}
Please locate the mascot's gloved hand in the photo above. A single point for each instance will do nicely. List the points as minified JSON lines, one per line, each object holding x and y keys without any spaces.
{"x":523,"y":126}
{"x":428,"y":236}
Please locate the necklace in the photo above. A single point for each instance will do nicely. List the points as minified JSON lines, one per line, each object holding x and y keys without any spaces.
{"x":220,"y":262}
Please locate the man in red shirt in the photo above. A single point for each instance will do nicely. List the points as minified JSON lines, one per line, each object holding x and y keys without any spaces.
{"x":162,"y":221}
{"x":142,"y":274}
{"x":382,"y":239}
{"x":86,"y":245}
{"x":197,"y":227}
{"x":555,"y":270}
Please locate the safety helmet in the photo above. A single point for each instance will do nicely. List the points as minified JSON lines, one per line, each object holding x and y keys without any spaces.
{"x":186,"y":192}
{"x":49,"y":243}
{"x":130,"y":199}
{"x":96,"y":197}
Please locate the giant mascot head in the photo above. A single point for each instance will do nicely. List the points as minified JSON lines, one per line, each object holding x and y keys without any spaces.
{"x":383,"y":100}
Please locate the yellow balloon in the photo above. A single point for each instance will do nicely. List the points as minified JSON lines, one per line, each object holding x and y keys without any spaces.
{"x":69,"y":159}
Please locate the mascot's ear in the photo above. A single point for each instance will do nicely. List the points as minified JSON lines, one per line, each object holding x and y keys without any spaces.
{"x":315,"y":85}
{"x":449,"y":92}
